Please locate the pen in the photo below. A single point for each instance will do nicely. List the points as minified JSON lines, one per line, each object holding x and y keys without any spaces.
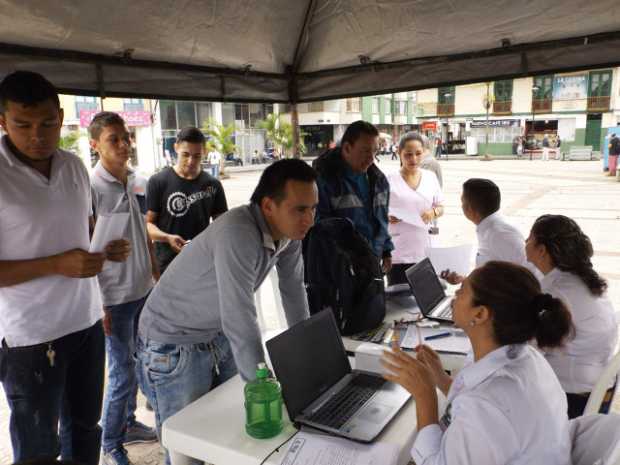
{"x":419,"y":331}
{"x":437,"y":336}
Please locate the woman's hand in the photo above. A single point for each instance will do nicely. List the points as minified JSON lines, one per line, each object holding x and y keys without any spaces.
{"x":430,"y":358}
{"x":393,"y":219}
{"x":427,"y":216}
{"x":416,"y":378}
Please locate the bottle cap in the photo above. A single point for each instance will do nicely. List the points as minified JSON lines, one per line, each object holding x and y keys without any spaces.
{"x":262,"y":371}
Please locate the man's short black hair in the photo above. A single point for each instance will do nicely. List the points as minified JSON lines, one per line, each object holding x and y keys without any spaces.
{"x":482,"y":195}
{"x":26,"y":88}
{"x":272,"y":182}
{"x":191,"y":135}
{"x":102,"y":120}
{"x":356,"y":129}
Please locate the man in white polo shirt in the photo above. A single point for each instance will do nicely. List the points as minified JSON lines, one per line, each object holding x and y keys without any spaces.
{"x":124,"y":286}
{"x":52,"y":354}
{"x":497,"y":239}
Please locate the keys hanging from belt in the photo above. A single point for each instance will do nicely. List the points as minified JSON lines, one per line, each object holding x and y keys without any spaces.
{"x":51,"y":354}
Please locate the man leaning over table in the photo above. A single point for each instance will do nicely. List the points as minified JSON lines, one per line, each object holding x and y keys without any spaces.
{"x":199,"y":325}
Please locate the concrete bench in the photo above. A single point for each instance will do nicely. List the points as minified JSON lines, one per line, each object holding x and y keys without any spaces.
{"x":579,"y":153}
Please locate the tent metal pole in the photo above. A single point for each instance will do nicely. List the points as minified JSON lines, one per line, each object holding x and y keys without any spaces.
{"x":292,"y":73}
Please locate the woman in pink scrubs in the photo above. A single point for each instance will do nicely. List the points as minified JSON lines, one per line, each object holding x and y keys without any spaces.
{"x":415,"y":200}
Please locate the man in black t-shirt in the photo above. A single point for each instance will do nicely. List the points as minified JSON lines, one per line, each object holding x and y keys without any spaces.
{"x":181,"y":200}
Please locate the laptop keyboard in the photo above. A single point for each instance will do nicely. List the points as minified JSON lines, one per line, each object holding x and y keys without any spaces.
{"x":341,"y":407}
{"x":446,"y":312}
{"x":443,"y":310}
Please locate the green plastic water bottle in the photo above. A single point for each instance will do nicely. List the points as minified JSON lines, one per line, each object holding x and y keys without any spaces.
{"x":263,"y":405}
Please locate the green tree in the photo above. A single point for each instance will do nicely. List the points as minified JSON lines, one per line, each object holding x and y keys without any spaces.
{"x":221,"y":140}
{"x":69,"y":142}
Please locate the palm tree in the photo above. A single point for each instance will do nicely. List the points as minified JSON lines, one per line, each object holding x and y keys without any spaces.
{"x":280,"y":133}
{"x":221,"y":140}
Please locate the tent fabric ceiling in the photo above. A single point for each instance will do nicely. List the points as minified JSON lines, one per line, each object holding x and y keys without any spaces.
{"x":299,"y":50}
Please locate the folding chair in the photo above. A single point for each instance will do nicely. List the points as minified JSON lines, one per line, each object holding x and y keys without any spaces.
{"x":595,"y":439}
{"x":600,"y":389}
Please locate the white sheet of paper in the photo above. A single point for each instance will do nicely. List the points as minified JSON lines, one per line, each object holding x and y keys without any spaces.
{"x":317,"y":449}
{"x":458,"y":342}
{"x":408,"y":216}
{"x":108,"y":228}
{"x":459,"y":258}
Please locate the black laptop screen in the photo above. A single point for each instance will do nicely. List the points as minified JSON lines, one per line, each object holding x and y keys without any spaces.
{"x":425,"y":285}
{"x":308,"y":359}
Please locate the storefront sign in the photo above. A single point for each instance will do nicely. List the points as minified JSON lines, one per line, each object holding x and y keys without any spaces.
{"x":429,"y":126}
{"x":132,"y":118}
{"x":570,"y":87}
{"x":495,"y":123}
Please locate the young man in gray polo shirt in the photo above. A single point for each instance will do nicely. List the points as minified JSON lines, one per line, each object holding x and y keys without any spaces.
{"x":124,"y":287}
{"x":199,"y":324}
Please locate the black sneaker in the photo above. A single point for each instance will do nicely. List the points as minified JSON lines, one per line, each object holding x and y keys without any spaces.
{"x":116,"y":457}
{"x":139,"y":432}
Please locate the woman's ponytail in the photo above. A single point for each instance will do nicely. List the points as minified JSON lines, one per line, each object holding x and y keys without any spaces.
{"x":554,"y":323}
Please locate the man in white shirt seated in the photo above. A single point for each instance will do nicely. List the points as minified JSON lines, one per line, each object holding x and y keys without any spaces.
{"x":497,"y":239}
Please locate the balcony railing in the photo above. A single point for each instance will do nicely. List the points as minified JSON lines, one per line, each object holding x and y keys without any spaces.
{"x":445,"y":109}
{"x":543,"y":104}
{"x":598,"y":103}
{"x":502,"y":108}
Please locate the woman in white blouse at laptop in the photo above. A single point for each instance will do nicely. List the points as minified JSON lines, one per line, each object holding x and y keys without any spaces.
{"x":506,"y":407}
{"x":415,"y":201}
{"x":561,"y":251}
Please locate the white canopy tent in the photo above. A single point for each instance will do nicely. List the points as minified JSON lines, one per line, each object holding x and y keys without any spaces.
{"x":299,"y":50}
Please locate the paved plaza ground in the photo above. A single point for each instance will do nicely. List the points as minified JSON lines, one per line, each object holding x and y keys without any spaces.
{"x":529,"y":189}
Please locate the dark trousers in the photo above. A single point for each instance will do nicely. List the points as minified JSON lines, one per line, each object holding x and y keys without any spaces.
{"x":40,"y":395}
{"x":396,"y":275}
{"x":577,"y":403}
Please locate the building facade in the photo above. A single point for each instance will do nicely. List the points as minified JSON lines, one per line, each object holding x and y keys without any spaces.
{"x":153,"y":125}
{"x":323,"y":123}
{"x":574,"y":108}
{"x":577,"y":108}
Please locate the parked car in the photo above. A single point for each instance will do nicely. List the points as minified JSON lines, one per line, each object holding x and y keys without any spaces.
{"x":231,"y":160}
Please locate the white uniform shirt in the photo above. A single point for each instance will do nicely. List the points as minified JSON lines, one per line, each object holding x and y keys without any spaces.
{"x":506,"y":409}
{"x":581,"y":362}
{"x":411,"y":240}
{"x":40,"y":217}
{"x":499,"y":240}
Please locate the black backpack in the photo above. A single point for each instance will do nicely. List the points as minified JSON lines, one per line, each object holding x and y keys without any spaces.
{"x":342,"y":272}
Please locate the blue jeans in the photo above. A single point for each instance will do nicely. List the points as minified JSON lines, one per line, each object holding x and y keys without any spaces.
{"x":174,"y":375}
{"x":119,"y":405}
{"x":40,"y":394}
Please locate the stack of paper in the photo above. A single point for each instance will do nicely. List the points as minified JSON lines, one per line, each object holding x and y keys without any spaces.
{"x":318,"y":449}
{"x":108,"y":228}
{"x":458,"y":258}
{"x":456,"y":342}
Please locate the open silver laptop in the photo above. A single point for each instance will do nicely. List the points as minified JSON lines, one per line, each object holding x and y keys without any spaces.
{"x":320,"y":389}
{"x":428,"y":292}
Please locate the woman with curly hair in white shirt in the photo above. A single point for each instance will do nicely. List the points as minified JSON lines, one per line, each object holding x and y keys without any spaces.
{"x":562,"y":252}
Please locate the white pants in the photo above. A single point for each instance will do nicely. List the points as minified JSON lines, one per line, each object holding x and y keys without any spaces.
{"x":545,"y":154}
